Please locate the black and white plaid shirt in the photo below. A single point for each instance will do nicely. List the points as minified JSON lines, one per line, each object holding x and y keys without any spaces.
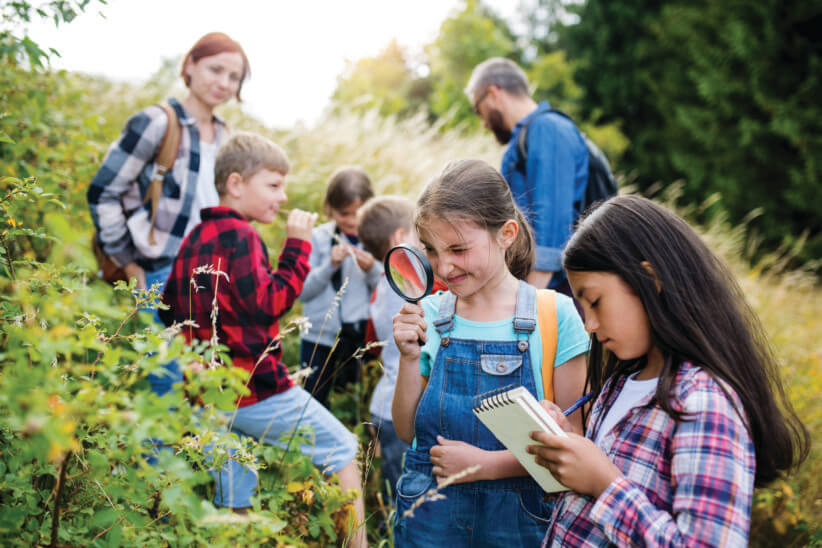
{"x":116,"y":193}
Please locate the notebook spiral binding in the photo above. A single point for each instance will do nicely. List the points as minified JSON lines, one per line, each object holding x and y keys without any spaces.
{"x":493,"y":398}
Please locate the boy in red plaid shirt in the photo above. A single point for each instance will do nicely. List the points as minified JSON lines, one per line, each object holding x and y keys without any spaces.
{"x":250,"y":179}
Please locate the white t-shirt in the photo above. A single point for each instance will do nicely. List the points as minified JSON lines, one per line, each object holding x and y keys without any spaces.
{"x":206,"y":193}
{"x":632,"y":392}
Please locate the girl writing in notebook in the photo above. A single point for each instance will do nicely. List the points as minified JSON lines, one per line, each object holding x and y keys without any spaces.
{"x":690,"y":413}
{"x":478,"y":336}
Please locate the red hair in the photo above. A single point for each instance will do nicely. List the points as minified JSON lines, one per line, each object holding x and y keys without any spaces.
{"x":215,"y":43}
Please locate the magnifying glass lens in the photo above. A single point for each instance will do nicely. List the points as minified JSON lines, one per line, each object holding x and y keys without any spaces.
{"x":409,"y":273}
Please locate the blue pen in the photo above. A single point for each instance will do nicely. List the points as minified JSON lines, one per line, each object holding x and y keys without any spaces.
{"x":579,"y":403}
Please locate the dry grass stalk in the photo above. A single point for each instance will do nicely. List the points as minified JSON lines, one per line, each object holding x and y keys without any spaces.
{"x":361,"y":351}
{"x":434,"y":494}
{"x":215,"y":309}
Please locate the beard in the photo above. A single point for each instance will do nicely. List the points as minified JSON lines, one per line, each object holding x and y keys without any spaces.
{"x":497,"y":125}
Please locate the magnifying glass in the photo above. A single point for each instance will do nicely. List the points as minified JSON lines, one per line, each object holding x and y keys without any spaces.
{"x":409,"y":273}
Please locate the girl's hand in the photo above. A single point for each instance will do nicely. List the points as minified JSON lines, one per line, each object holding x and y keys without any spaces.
{"x":299,"y":224}
{"x":451,"y":457}
{"x":558,"y":416}
{"x":365,"y":260}
{"x":409,"y":330}
{"x":338,"y":253}
{"x":575,"y":462}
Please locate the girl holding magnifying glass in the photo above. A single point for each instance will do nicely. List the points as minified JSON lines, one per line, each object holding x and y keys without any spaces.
{"x":473,"y":341}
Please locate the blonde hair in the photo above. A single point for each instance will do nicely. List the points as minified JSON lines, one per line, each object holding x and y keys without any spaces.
{"x":379,"y":218}
{"x":246,"y":154}
{"x":471,"y":190}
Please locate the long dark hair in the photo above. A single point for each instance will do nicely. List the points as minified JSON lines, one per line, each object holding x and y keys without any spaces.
{"x":474,"y":191}
{"x":700,"y":315}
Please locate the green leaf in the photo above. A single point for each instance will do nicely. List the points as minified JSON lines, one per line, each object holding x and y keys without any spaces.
{"x":11,"y":518}
{"x":104,"y":518}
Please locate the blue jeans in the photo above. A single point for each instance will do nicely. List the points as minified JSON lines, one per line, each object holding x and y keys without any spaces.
{"x":272,"y":421}
{"x":162,"y":381}
{"x":502,"y":512}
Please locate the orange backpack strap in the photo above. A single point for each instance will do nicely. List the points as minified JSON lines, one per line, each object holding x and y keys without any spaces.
{"x":166,"y":156}
{"x":547,"y":321}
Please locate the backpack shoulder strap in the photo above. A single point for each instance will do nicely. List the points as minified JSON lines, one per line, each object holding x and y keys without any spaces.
{"x":522,"y":138}
{"x":561,"y":113}
{"x":166,"y":156}
{"x":548,"y":330}
{"x":522,"y":146}
{"x":170,"y":145}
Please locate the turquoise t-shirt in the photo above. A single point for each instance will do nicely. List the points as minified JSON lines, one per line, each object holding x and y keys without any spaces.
{"x":572,"y":340}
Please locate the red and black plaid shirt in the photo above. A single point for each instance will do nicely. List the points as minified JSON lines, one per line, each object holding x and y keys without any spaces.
{"x":250,"y":302}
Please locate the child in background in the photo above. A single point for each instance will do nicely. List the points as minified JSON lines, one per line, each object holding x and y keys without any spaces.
{"x":385,"y":222}
{"x":250,"y":177}
{"x":689,"y":415}
{"x":481,"y":335}
{"x":337,"y":258}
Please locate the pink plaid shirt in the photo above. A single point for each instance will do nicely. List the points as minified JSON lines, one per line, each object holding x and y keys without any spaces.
{"x":684,"y":484}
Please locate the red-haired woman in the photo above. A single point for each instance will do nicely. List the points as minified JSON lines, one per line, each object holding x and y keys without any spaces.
{"x":213,"y":70}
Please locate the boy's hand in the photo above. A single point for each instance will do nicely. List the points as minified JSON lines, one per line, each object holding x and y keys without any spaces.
{"x":409,"y":330}
{"x":338,"y":253}
{"x":365,"y":260}
{"x":299,"y":224}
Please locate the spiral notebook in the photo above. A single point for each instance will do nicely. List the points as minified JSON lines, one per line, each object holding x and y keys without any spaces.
{"x":511,"y":414}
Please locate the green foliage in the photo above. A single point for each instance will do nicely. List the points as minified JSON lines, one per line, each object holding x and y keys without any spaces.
{"x":721,"y":94}
{"x":465,"y":40}
{"x":73,"y":360}
{"x":78,"y":415}
{"x":552,"y":75}
{"x":391,"y":82}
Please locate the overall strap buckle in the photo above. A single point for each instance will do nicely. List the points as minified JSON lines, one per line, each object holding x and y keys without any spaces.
{"x":445,"y":317}
{"x":525,"y":315}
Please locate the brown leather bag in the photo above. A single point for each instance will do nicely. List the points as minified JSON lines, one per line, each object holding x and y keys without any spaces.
{"x":107,"y":268}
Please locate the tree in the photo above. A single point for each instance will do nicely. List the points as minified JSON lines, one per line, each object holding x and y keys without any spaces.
{"x":465,"y":40}
{"x":721,"y":94}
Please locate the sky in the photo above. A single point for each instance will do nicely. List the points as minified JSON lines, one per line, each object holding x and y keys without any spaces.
{"x":296,"y":48}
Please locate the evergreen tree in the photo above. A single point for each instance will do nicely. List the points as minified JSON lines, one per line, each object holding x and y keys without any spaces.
{"x":721,"y":94}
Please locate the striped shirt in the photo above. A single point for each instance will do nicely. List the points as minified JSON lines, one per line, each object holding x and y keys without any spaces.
{"x":683,"y":484}
{"x":117,"y":191}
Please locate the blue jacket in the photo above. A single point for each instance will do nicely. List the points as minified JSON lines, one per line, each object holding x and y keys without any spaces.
{"x":557,"y":171}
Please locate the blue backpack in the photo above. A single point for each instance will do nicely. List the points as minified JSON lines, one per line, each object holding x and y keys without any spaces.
{"x":601,"y":182}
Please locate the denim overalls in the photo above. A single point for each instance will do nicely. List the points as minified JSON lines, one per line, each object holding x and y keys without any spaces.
{"x":504,"y":512}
